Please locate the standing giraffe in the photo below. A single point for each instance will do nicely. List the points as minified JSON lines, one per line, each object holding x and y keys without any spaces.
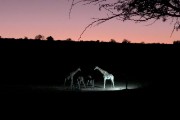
{"x":106,"y":75}
{"x":71,"y":77}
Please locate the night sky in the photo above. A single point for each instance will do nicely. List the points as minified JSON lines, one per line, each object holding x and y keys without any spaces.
{"x":21,"y":18}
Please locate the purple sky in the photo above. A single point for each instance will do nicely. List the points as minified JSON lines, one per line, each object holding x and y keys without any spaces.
{"x":21,"y":18}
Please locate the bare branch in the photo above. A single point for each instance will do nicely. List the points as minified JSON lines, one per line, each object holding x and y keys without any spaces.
{"x":135,"y":10}
{"x":97,"y":22}
{"x":71,"y":9}
{"x":173,"y":31}
{"x":151,"y":23}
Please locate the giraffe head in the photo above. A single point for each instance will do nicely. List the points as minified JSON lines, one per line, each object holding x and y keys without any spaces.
{"x":96,"y":68}
{"x":89,"y":76}
{"x":79,"y":69}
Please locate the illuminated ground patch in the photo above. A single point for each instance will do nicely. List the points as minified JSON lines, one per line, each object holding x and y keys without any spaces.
{"x":99,"y":87}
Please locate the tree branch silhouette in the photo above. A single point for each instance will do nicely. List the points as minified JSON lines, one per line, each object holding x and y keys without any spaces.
{"x":135,"y":10}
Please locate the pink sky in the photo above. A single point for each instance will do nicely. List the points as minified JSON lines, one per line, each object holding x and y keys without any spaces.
{"x":21,"y":18}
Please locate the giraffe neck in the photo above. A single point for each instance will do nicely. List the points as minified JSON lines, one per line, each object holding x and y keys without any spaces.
{"x":102,"y":71}
{"x":74,"y":72}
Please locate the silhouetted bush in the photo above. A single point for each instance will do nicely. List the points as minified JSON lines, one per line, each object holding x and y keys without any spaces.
{"x":113,"y":41}
{"x":68,"y":39}
{"x":26,"y":38}
{"x":50,"y":38}
{"x":39,"y":37}
{"x":97,"y":41}
{"x":142,"y":43}
{"x":176,"y":42}
{"x":125,"y":41}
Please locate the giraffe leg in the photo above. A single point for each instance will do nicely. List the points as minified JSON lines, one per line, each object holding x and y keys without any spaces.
{"x":87,"y":83}
{"x":112,"y":82}
{"x":112,"y":79}
{"x":93,"y":83}
{"x":71,"y":84}
{"x":104,"y":83}
{"x":65,"y":82}
{"x":83,"y":83}
{"x":79,"y":84}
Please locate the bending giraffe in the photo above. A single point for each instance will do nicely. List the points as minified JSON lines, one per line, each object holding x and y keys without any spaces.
{"x":80,"y":81}
{"x":71,"y":77}
{"x":90,"y":81}
{"x":106,"y":75}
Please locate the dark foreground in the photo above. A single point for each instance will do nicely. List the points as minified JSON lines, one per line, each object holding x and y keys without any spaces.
{"x":123,"y":102}
{"x":29,"y":63}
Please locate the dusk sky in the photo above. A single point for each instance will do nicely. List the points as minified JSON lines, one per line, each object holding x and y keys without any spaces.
{"x":21,"y":18}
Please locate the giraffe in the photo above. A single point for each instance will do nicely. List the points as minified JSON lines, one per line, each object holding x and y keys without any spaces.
{"x":80,"y":80}
{"x":106,"y":75}
{"x":90,"y":81}
{"x":71,"y":77}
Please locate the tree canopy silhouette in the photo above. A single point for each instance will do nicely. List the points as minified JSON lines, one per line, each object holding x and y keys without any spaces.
{"x":50,"y":38}
{"x":136,"y":10}
{"x":125,"y":41}
{"x":39,"y":37}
